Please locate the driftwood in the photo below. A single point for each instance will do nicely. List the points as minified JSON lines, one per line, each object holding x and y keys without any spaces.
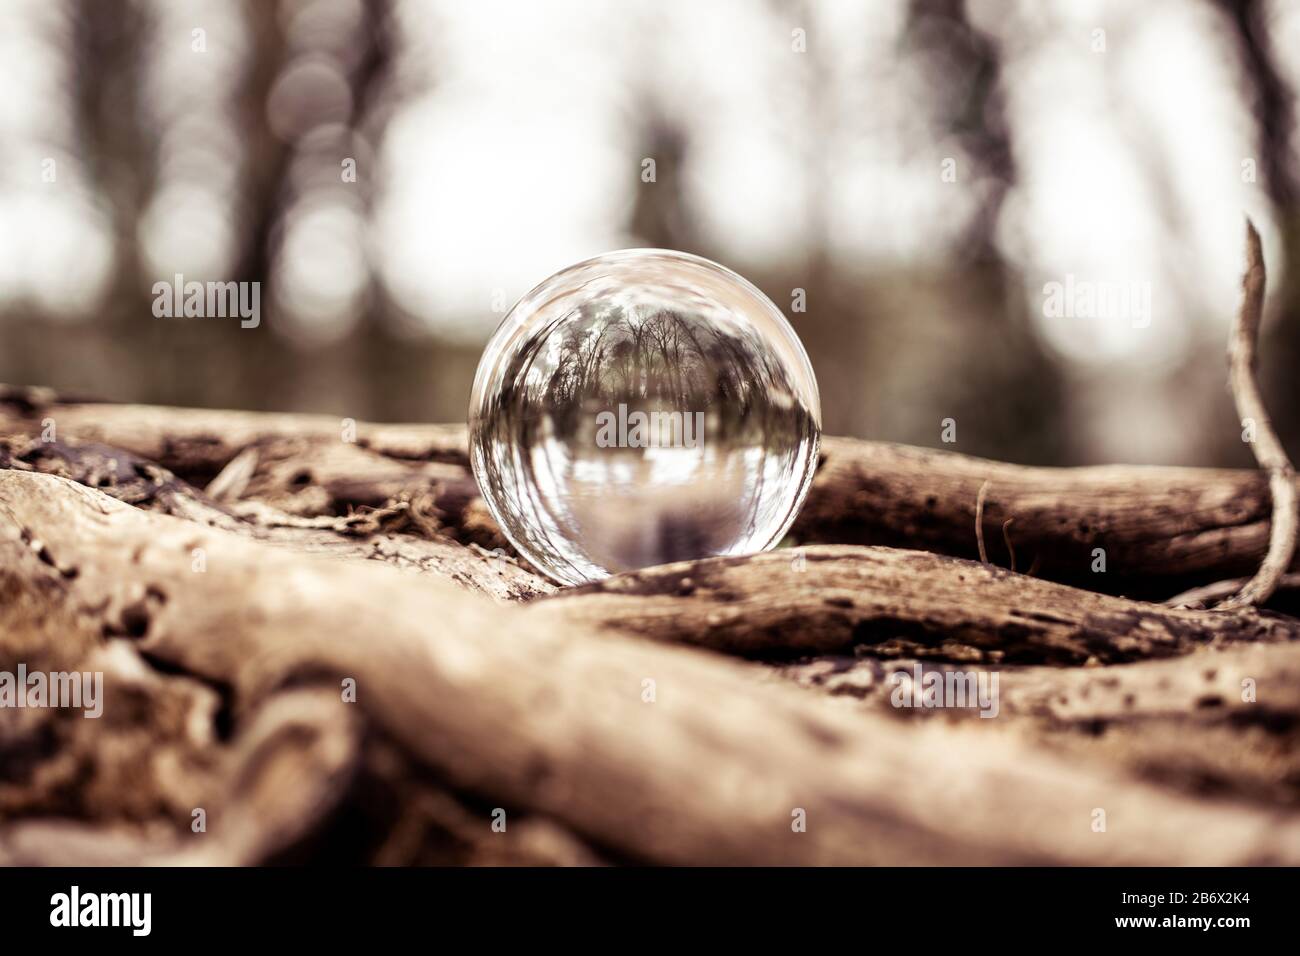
{"x":223,"y":686}
{"x":497,"y":707}
{"x":316,"y":646}
{"x":1161,"y":529}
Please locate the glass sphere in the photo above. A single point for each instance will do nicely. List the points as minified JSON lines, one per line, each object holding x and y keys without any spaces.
{"x":639,"y":408}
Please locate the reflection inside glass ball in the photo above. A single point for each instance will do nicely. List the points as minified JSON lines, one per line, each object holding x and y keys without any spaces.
{"x":640,"y":408}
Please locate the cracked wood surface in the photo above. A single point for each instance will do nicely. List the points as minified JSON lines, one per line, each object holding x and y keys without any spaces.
{"x":825,"y":599}
{"x":480,"y":686}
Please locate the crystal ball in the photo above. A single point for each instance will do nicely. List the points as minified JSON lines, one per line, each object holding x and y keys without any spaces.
{"x":639,"y":408}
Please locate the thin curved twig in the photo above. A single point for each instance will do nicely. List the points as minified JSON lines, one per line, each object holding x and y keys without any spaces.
{"x":979,"y":521}
{"x":1266,"y":447}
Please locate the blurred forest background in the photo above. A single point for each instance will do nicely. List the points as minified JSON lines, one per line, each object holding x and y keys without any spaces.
{"x":920,"y":168}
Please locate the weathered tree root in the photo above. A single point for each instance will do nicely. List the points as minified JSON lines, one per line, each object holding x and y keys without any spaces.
{"x":888,"y":602}
{"x":374,"y":533}
{"x":525,"y":709}
{"x":1144,"y":531}
{"x":1224,"y":723}
{"x":810,"y":601}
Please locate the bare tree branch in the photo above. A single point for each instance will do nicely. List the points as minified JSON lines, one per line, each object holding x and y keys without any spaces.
{"x":1266,"y":447}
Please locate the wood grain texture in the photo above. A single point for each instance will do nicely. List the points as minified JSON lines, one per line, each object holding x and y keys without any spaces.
{"x":682,"y":714}
{"x":548,"y":716}
{"x":826,"y":599}
{"x":1161,"y":529}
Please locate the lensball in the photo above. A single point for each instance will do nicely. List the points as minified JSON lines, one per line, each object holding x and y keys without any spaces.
{"x":639,"y":408}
